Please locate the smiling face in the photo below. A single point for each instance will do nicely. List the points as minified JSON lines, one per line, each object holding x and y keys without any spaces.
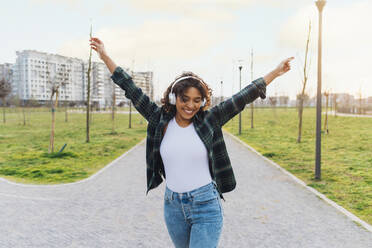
{"x":188,"y":105}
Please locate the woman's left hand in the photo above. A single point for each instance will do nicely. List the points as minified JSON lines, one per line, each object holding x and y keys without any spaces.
{"x":284,"y":66}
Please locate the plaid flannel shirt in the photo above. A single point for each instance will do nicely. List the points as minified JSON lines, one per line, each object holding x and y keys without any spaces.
{"x":208,"y":125}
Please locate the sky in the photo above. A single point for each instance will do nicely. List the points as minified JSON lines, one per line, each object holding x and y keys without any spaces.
{"x":208,"y":37}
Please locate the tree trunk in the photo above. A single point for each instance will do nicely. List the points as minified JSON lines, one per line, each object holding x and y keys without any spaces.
{"x":302,"y":96}
{"x":88,"y":91}
{"x":24,"y":116}
{"x":300,"y":111}
{"x":130,"y":114}
{"x":335,"y":104}
{"x":113,"y":108}
{"x":66,"y":115}
{"x":4,"y":120}
{"x":252,"y":108}
{"x":51,"y":144}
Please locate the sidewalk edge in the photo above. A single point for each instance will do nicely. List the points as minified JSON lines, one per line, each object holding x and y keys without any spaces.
{"x":350,"y":215}
{"x":81,"y":181}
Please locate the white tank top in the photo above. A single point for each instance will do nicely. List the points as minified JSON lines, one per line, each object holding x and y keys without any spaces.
{"x":185,"y":158}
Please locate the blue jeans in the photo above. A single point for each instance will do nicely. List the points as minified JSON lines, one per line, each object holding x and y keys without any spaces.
{"x":195,"y":218}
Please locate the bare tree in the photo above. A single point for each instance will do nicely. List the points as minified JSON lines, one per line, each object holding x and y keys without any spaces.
{"x":273,"y":101}
{"x":66,"y":109}
{"x":335,"y":104}
{"x":5,"y":89}
{"x":113,"y":108}
{"x":252,"y":105}
{"x":24,"y":112}
{"x":66,"y":77}
{"x":55,"y":83}
{"x":283,"y":100}
{"x":88,"y":89}
{"x":302,"y":95}
{"x":360,"y":109}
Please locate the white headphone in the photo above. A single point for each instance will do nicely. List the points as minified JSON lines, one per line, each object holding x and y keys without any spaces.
{"x":172,"y":96}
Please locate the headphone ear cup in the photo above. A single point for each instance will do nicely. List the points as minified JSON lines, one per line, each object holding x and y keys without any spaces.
{"x":172,"y":98}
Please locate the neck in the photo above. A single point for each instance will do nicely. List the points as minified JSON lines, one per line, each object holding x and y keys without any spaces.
{"x":181,"y":121}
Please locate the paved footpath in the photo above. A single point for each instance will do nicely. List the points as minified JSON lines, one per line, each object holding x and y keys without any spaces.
{"x":267,"y":209}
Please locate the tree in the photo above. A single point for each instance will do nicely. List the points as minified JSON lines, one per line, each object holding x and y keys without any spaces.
{"x":302,"y":95}
{"x":283,"y":100}
{"x":66,"y":76}
{"x":113,"y":108}
{"x":360,"y":109}
{"x":55,"y":83}
{"x":273,"y":101}
{"x":88,"y":89}
{"x":5,"y":89}
{"x":252,"y":106}
{"x":66,"y":110}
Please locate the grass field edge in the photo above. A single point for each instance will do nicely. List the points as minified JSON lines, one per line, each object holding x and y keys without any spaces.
{"x":348,"y":214}
{"x":80,"y":181}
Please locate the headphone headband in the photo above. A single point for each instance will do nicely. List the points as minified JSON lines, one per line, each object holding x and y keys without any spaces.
{"x":183,"y":78}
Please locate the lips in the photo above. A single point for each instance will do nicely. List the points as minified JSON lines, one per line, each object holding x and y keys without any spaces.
{"x":189,"y":112}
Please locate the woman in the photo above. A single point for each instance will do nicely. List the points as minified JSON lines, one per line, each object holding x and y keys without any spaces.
{"x":185,"y":146}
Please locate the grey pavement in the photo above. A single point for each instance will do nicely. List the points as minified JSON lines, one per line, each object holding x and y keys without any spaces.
{"x":267,"y":209}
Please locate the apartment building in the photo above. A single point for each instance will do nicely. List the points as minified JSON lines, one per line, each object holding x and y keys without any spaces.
{"x":144,"y":80}
{"x":35,"y":74}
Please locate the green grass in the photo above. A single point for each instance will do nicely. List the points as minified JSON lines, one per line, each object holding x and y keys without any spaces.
{"x":24,"y":149}
{"x":346,"y":152}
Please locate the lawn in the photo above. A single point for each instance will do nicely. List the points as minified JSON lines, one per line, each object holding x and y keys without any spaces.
{"x":24,"y":149}
{"x":346,"y":152}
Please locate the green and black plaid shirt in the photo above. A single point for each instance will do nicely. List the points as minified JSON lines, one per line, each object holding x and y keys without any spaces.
{"x":208,"y":124}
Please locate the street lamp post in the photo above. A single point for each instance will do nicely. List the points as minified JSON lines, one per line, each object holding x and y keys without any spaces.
{"x":320,"y":5}
{"x":240,"y":88}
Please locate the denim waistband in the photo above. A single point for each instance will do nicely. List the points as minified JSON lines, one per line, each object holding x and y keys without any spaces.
{"x":190,"y":194}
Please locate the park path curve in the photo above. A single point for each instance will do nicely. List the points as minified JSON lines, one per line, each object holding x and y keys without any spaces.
{"x":267,"y":209}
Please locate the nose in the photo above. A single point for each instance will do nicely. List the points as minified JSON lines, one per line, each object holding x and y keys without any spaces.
{"x":190,"y":104}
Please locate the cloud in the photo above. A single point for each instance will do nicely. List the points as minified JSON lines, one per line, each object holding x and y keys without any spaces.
{"x":159,"y":40}
{"x":71,"y":4}
{"x":217,"y":10}
{"x":172,"y":5}
{"x":347,"y":43}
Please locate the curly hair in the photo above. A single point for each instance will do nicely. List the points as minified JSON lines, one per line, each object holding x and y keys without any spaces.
{"x":180,"y":88}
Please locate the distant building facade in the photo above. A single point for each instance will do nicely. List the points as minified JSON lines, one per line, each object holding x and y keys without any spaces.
{"x":34,"y":74}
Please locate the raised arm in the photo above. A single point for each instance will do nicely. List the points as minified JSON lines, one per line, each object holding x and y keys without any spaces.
{"x":234,"y":105}
{"x":141,"y":101}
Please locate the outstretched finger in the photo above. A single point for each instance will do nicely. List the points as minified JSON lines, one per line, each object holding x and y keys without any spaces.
{"x":289,"y":59}
{"x":96,"y":40}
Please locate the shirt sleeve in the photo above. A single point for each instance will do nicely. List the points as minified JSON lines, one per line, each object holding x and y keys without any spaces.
{"x":226,"y":110}
{"x":141,"y":101}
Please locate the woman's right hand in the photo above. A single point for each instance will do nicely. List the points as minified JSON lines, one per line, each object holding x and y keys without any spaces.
{"x":98,"y":46}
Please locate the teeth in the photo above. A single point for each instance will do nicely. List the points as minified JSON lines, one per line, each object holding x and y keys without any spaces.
{"x":188,"y":111}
